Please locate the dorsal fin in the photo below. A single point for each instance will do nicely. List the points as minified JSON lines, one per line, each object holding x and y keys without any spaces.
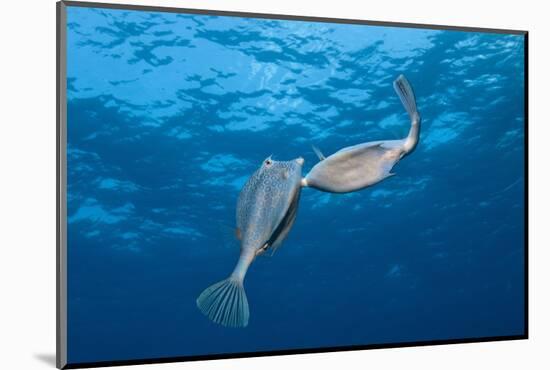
{"x":318,"y":152}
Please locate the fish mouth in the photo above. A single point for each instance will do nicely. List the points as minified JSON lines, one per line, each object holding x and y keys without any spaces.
{"x":300,"y":161}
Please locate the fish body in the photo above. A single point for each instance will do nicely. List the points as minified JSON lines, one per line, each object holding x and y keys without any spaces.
{"x":266,"y":210}
{"x":266,"y":198}
{"x":357,"y":167}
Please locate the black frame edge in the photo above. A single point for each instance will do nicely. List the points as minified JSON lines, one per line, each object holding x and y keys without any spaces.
{"x":226,"y":356}
{"x":61,"y":250}
{"x":526,"y":175}
{"x":61,"y":312}
{"x":228,"y":13}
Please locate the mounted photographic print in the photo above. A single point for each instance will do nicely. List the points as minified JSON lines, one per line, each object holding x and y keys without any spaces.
{"x":237,"y":184}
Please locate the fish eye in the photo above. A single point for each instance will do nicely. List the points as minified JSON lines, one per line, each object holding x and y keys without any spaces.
{"x":268,"y":161}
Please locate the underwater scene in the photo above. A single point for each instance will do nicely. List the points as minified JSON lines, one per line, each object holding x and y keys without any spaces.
{"x":202,"y":148}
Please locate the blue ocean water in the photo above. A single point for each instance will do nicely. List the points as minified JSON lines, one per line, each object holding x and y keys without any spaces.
{"x":169,"y":114}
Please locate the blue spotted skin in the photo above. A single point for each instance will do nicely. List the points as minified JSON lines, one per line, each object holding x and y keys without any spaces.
{"x":266,"y":198}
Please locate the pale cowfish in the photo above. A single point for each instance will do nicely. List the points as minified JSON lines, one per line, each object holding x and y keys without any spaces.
{"x":266,"y":210}
{"x":359,"y":166}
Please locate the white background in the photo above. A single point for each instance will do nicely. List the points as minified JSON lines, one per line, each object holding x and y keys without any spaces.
{"x":27,"y":196}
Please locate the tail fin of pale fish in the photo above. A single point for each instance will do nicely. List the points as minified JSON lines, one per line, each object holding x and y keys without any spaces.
{"x":406,"y":94}
{"x":225,"y":303}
